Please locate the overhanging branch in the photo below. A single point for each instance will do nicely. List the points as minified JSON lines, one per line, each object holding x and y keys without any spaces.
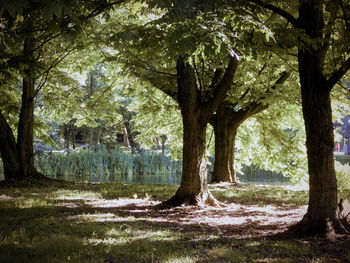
{"x":338,"y":74}
{"x":291,"y":19}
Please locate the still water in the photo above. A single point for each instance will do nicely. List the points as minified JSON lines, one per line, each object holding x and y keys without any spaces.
{"x":169,"y":179}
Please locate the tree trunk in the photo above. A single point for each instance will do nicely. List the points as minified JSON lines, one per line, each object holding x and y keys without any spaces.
{"x":196,"y":112}
{"x":25,"y":131}
{"x":319,"y":143}
{"x":126,"y":137}
{"x":8,"y":151}
{"x":193,"y":188}
{"x":225,"y":136}
{"x":225,"y":130}
{"x":66,"y":135}
{"x":133,"y":144}
{"x":91,"y":140}
{"x":73,"y":134}
{"x":317,"y":114}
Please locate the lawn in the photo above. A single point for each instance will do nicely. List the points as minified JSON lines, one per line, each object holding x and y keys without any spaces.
{"x":76,"y":222}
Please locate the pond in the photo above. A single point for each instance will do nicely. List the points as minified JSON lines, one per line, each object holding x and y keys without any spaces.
{"x":169,"y":179}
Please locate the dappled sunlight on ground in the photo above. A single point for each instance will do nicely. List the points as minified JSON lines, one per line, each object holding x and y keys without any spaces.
{"x":125,"y":224}
{"x":252,"y":219}
{"x":75,"y":195}
{"x":121,"y":202}
{"x":7,"y":197}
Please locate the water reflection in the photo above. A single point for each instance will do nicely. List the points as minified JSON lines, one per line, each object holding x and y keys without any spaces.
{"x":167,"y":178}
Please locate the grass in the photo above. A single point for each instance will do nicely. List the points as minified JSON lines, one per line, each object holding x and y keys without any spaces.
{"x":76,"y":222}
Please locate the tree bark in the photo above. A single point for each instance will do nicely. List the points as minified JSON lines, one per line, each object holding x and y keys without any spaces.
{"x":224,"y":155}
{"x":196,"y":112}
{"x":66,"y":135}
{"x":25,"y":130}
{"x":315,"y":91}
{"x":226,"y":122}
{"x":91,"y":138}
{"x":8,"y":151}
{"x":317,"y":112}
{"x":125,"y":137}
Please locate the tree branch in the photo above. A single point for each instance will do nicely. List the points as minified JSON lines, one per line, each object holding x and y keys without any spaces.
{"x":291,"y":19}
{"x":153,"y":69}
{"x":256,"y":106}
{"x":345,"y":16}
{"x":338,"y":74}
{"x":221,"y":89}
{"x":53,"y":64}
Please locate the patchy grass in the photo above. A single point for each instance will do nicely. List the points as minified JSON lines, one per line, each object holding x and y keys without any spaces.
{"x":76,"y":222}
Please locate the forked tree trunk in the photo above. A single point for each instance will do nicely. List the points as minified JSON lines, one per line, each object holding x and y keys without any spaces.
{"x":196,"y":114}
{"x":226,"y":122}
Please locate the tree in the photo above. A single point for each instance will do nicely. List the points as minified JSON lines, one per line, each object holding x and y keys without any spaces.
{"x":321,"y":30}
{"x":196,"y":111}
{"x":237,"y":108}
{"x":26,"y":29}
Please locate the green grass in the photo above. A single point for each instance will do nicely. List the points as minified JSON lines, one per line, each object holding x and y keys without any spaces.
{"x":76,"y":222}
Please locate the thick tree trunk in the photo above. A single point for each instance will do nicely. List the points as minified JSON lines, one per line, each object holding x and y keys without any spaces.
{"x":225,"y":123}
{"x":224,"y":154}
{"x":8,"y":151}
{"x":317,"y":114}
{"x":319,"y":143}
{"x":196,"y":114}
{"x":25,"y":131}
{"x":193,"y":188}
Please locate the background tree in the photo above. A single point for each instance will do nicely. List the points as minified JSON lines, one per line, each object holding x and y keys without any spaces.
{"x":237,"y":108}
{"x":26,"y":29}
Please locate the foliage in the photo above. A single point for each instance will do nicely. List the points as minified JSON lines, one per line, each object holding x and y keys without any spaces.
{"x":102,"y":161}
{"x":343,"y":175}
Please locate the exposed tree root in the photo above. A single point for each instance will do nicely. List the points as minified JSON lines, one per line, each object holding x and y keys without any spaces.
{"x":200,"y":200}
{"x":329,"y":228}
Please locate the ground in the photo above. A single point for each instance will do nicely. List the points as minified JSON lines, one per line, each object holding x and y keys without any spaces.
{"x":70,"y":222}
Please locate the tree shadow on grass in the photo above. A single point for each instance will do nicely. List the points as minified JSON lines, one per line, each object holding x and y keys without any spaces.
{"x":94,"y":229}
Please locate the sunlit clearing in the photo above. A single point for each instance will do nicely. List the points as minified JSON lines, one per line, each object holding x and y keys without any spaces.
{"x":100,"y":217}
{"x":128,"y":234}
{"x":185,"y":259}
{"x":75,"y":195}
{"x":243,"y":214}
{"x":6,"y":198}
{"x":120,"y":202}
